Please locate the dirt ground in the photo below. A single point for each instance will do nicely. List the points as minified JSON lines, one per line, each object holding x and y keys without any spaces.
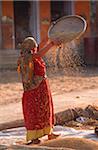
{"x":60,"y":83}
{"x":66,"y":87}
{"x":69,"y":89}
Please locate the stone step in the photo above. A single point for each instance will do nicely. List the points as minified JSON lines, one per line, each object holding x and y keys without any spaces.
{"x":8,"y":59}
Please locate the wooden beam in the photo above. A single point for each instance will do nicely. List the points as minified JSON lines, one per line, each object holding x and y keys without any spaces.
{"x":12,"y":124}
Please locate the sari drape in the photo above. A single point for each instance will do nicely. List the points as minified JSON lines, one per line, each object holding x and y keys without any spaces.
{"x":38,"y":105}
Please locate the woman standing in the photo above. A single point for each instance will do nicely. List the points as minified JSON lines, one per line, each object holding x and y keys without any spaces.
{"x":37,"y":100}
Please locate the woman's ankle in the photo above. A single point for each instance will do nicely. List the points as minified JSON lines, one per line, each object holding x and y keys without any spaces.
{"x":53,"y":136}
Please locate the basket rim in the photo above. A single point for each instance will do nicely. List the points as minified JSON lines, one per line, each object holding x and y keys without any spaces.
{"x":65,"y":17}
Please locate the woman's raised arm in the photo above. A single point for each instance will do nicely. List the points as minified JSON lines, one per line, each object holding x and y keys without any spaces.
{"x":47,"y":46}
{"x":42,"y":51}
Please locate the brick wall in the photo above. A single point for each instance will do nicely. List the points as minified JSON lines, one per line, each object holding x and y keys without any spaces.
{"x":45,"y":17}
{"x":83,"y":8}
{"x":7,"y":24}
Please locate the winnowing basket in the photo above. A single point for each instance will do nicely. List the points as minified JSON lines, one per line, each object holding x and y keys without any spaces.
{"x":67,"y":28}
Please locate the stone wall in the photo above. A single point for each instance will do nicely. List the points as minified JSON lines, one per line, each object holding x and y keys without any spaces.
{"x":8,"y":59}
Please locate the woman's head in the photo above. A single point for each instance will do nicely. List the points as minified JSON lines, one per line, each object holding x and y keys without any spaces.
{"x":29,"y":43}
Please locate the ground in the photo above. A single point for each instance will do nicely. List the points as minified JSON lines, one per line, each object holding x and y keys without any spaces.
{"x":69,"y":89}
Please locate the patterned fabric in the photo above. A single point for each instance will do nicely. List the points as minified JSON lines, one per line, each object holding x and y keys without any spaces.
{"x":37,"y":105}
{"x":26,"y":67}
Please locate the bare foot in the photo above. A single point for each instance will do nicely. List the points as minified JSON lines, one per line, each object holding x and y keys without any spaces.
{"x":35,"y":141}
{"x":53,"y":136}
{"x":96,"y":131}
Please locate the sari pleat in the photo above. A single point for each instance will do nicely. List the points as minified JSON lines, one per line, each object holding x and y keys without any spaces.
{"x":38,"y":106}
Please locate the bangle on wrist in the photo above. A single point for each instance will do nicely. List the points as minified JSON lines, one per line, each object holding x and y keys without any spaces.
{"x":52,"y":43}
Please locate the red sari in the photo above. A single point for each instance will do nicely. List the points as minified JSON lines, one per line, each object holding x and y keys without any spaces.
{"x":38,"y":106}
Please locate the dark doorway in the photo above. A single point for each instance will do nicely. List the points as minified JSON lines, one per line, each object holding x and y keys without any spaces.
{"x":21,"y":17}
{"x":60,"y":8}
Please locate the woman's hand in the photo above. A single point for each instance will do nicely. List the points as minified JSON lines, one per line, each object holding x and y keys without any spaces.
{"x":57,"y":42}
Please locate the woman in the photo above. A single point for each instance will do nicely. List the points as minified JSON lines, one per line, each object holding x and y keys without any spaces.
{"x":37,"y":100}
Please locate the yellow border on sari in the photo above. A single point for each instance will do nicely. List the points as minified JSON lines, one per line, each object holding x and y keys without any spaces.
{"x":34,"y":134}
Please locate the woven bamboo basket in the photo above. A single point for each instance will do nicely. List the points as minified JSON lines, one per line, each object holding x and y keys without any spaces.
{"x":67,"y":28}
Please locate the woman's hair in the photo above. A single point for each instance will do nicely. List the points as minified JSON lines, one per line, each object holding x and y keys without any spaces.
{"x":32,"y":40}
{"x":28,"y":44}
